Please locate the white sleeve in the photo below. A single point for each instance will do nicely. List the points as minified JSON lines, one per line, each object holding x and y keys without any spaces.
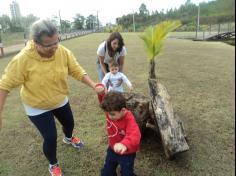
{"x":123,"y":51}
{"x":105,"y":79}
{"x":101,"y":49}
{"x":126,"y":80}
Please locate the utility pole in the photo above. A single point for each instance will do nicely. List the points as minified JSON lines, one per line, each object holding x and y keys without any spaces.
{"x":133,"y":23}
{"x":97,"y":20}
{"x":93,"y":22}
{"x":60,"y":21}
{"x":198,"y":20}
{"x":1,"y":44}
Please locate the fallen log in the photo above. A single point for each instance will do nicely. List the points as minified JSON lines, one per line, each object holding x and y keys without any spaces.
{"x":156,"y":113}
{"x":169,"y":124}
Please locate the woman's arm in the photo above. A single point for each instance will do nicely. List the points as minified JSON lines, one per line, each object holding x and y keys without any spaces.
{"x":76,"y":71}
{"x":88,"y":81}
{"x":102,"y":64}
{"x":121,"y":63}
{"x":3,"y":96}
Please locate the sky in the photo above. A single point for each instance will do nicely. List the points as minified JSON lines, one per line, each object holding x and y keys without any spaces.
{"x":108,"y":10}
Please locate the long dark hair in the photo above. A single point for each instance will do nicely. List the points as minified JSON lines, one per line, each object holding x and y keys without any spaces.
{"x":113,"y":36}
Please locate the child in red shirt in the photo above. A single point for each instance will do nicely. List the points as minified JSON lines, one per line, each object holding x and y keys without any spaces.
{"x":123,"y":135}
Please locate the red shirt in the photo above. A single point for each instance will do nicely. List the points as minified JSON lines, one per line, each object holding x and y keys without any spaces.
{"x":125,"y":131}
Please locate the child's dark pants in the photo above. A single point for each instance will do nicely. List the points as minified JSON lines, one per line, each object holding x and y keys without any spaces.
{"x":113,"y":159}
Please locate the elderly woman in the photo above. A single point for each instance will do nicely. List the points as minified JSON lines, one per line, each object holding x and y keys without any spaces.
{"x":112,"y":49}
{"x":41,"y":69}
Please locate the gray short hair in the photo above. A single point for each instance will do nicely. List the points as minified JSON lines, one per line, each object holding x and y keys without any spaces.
{"x":42,"y":28}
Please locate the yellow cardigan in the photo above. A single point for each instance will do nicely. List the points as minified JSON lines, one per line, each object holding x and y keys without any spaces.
{"x":43,"y":81}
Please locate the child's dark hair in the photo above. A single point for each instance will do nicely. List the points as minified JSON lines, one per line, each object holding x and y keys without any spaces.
{"x":112,"y":63}
{"x":113,"y":101}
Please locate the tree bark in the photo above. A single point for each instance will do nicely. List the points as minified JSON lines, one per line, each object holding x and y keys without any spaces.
{"x":157,"y":114}
{"x":169,"y":125}
{"x":152,"y":73}
{"x":139,"y":104}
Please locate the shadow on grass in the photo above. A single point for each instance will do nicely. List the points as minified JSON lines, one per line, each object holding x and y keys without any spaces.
{"x":152,"y":154}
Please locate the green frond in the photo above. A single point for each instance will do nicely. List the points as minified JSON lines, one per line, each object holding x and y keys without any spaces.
{"x":154,"y":37}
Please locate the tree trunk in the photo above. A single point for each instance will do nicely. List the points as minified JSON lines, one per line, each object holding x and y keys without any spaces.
{"x":169,"y":125}
{"x":152,"y":73}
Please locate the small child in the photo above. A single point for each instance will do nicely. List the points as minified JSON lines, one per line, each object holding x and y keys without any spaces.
{"x":123,"y":135}
{"x":114,"y":79}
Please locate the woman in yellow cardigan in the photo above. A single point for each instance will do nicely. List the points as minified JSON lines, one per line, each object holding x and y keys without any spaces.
{"x":41,"y":69}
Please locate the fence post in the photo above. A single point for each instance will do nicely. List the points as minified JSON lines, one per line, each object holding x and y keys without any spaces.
{"x":1,"y":48}
{"x":1,"y":44}
{"x":219,"y":29}
{"x":25,"y":40}
{"x":210,"y":30}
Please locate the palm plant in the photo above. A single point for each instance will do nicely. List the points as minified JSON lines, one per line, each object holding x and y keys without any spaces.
{"x":153,"y":38}
{"x":168,"y":124}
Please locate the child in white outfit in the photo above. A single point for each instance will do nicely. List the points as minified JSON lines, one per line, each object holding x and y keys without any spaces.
{"x":114,"y":79}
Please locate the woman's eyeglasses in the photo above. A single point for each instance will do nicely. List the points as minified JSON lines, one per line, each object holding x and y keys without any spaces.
{"x":47,"y":47}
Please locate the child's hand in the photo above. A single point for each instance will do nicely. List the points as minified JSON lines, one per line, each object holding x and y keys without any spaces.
{"x":131,"y":88}
{"x":120,"y":148}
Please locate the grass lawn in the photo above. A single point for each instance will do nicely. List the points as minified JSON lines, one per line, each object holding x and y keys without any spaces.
{"x":200,"y":79}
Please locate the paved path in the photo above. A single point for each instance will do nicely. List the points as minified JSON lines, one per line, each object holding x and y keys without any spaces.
{"x":16,"y":48}
{"x":13,"y":48}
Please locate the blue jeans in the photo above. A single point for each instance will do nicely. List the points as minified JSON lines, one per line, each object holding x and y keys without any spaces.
{"x":113,"y":160}
{"x":100,"y":72}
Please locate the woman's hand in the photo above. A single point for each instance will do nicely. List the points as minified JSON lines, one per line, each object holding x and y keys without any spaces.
{"x":100,"y":88}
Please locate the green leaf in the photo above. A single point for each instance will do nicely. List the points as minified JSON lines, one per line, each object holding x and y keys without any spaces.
{"x":154,"y":37}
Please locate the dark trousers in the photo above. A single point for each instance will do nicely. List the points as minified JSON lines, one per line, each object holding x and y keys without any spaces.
{"x":113,"y":159}
{"x":45,"y":123}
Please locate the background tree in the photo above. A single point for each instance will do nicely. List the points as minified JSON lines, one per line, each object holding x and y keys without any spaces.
{"x":143,"y":10}
{"x":91,"y":22}
{"x":78,"y":22}
{"x":212,"y":12}
{"x":5,"y":22}
{"x":66,"y":26}
{"x":28,"y":20}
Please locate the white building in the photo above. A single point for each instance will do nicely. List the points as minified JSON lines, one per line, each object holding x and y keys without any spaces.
{"x":15,"y":13}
